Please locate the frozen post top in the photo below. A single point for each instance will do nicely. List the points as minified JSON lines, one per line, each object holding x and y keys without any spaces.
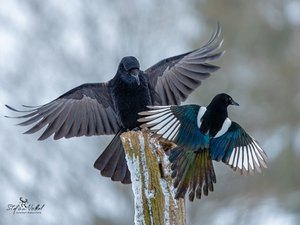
{"x":153,"y":192}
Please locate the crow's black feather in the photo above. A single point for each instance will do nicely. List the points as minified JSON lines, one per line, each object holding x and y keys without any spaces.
{"x":112,"y":107}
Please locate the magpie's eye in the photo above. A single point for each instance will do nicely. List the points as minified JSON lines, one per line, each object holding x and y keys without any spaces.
{"x":229,"y":100}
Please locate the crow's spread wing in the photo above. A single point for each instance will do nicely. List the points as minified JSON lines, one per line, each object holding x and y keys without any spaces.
{"x":239,"y":150}
{"x":176,"y":77}
{"x":85,"y":110}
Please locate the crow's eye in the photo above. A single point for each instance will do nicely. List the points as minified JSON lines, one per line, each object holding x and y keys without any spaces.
{"x":133,"y":72}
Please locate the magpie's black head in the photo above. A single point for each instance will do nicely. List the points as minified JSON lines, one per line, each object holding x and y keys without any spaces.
{"x":223,"y":100}
{"x":129,"y":70}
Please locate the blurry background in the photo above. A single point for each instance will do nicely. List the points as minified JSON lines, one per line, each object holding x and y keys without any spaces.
{"x":49,"y":47}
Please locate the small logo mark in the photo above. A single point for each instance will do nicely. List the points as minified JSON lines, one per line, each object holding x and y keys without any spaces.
{"x":25,"y":207}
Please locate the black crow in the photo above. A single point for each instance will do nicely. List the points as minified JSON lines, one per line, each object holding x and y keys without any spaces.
{"x":112,"y":107}
{"x":203,"y":134}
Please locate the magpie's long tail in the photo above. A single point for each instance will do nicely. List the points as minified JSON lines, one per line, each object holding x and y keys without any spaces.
{"x":192,"y":171}
{"x":112,"y":162}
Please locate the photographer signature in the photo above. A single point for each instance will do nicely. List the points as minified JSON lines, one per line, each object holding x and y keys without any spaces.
{"x":24,"y":207}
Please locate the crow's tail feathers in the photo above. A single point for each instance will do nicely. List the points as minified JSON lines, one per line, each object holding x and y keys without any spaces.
{"x":112,"y":162}
{"x":192,"y":171}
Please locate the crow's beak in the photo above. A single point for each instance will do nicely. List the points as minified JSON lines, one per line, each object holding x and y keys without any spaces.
{"x":135,"y":73}
{"x":234,"y":102}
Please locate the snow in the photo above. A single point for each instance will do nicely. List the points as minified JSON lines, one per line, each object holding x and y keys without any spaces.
{"x":133,"y":165}
{"x":136,"y":177}
{"x":134,"y":168}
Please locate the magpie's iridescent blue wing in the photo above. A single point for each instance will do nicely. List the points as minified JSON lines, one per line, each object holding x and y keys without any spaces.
{"x":238,"y":149}
{"x":177,"y":124}
{"x":191,"y":166}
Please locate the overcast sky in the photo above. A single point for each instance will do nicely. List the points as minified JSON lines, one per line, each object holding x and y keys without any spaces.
{"x":47,"y":48}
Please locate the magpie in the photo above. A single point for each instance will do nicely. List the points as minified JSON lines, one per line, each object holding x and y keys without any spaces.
{"x":203,"y":134}
{"x":112,"y":107}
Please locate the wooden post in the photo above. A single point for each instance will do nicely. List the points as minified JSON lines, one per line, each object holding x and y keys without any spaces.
{"x":151,"y":181}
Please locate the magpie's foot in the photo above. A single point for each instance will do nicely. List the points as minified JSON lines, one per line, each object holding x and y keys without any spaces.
{"x":134,"y":129}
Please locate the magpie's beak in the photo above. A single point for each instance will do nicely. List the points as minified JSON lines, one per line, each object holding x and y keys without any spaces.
{"x":135,"y":74}
{"x":234,"y":102}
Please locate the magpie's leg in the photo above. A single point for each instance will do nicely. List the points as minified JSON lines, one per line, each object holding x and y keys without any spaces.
{"x":136,"y":129}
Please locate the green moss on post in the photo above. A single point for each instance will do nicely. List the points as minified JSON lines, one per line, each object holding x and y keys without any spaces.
{"x":154,"y":194}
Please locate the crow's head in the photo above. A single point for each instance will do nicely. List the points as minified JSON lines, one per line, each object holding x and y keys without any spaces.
{"x":129,"y":70}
